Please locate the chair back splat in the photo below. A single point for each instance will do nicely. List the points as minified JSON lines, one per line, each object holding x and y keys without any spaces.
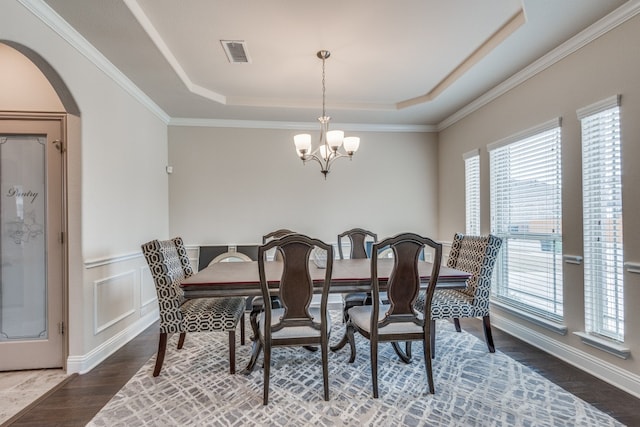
{"x":358,"y":238}
{"x":296,"y":323}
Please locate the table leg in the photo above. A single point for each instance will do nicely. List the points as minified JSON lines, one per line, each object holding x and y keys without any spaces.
{"x":404,"y":356}
{"x":343,"y":341}
{"x":256,"y":347}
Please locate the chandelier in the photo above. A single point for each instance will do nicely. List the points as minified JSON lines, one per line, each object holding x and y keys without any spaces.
{"x":330,"y":140}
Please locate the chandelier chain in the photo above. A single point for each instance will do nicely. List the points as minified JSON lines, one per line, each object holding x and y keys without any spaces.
{"x":323,"y":89}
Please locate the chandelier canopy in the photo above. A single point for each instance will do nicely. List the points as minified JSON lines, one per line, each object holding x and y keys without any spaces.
{"x":331,"y":141}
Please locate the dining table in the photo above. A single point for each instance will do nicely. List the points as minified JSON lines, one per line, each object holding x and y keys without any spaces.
{"x":224,"y":279}
{"x":227,"y":279}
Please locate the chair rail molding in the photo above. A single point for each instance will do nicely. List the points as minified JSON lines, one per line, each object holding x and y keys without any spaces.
{"x":99,"y":262}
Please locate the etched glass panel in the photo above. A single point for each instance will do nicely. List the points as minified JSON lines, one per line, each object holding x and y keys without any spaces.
{"x":23,"y":293}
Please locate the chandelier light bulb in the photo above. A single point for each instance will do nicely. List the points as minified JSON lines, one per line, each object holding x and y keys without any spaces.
{"x":334,"y":139}
{"x":303,"y":144}
{"x":351,"y":144}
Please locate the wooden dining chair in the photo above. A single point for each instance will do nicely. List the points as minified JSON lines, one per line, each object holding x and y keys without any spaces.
{"x":476,"y":255}
{"x":295,"y":323}
{"x":258,"y":303}
{"x":358,"y":239}
{"x":398,"y":320}
{"x":169,"y":266}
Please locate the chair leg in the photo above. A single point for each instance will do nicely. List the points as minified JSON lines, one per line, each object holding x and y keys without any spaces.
{"x":232,"y":351}
{"x":266,"y":369}
{"x":486,"y":324}
{"x":242,"y":324}
{"x":325,"y":371}
{"x":183,"y":335}
{"x":456,"y":322}
{"x":427,"y":360}
{"x":374,"y":366}
{"x":432,"y":332}
{"x":162,"y":348}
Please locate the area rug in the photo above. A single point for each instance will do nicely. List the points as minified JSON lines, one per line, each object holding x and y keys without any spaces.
{"x":473,"y":388}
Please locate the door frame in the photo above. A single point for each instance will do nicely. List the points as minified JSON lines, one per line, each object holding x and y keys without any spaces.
{"x":61,"y":118}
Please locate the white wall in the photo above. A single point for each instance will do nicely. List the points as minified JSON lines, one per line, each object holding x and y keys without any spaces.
{"x":118,"y":196}
{"x":608,"y":66}
{"x":231,"y":186}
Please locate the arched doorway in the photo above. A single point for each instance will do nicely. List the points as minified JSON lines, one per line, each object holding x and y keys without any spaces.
{"x":33,"y":243}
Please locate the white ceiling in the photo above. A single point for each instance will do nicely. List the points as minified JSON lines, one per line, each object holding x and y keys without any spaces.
{"x":407,"y":62}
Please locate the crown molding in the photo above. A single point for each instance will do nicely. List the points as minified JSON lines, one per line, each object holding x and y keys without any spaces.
{"x":256,"y":124}
{"x":599,"y":28}
{"x":50,"y":18}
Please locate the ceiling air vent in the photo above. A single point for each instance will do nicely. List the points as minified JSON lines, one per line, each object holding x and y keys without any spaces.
{"x":236,"y":51}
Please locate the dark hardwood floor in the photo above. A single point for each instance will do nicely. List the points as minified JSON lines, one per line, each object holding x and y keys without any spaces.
{"x":79,"y":399}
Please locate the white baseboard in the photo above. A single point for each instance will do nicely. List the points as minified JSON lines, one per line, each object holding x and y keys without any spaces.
{"x":84,"y":363}
{"x":599,"y":368}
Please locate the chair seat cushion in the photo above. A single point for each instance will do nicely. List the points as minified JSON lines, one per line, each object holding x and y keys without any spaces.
{"x":448,"y":303}
{"x":361,"y":318}
{"x":293,"y":331}
{"x":212,"y":314}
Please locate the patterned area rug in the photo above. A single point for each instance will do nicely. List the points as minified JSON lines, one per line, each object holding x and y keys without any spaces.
{"x":473,"y":388}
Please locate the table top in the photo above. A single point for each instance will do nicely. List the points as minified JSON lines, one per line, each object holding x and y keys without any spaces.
{"x":348,"y":275}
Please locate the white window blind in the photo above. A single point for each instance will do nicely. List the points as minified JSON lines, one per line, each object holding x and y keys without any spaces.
{"x":472,"y":192}
{"x":526,"y":211}
{"x":602,"y":219}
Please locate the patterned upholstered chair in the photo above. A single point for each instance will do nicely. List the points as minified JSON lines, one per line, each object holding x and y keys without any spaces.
{"x":398,"y":320}
{"x":476,"y":255}
{"x":169,"y":265}
{"x":296,"y":323}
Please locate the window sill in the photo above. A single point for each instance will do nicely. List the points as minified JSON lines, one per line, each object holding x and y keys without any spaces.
{"x":604,"y":345}
{"x":558,"y":328}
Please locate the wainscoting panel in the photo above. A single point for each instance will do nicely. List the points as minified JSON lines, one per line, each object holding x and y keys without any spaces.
{"x":114,"y":299}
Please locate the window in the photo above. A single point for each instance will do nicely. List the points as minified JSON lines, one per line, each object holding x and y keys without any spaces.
{"x":602,"y":219}
{"x":472,"y":191}
{"x":526,"y":211}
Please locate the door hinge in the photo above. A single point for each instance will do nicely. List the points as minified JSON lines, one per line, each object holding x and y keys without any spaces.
{"x":62,"y":237}
{"x":59,"y":144}
{"x":61,"y":328}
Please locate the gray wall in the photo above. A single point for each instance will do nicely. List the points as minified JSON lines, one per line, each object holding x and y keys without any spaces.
{"x":608,"y":66}
{"x":234,"y":185}
{"x":116,"y":180}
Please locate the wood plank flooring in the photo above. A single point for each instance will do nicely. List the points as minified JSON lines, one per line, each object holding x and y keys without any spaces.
{"x":77,"y":401}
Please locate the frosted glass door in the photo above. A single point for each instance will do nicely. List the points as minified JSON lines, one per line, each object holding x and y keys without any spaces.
{"x":23,"y":297}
